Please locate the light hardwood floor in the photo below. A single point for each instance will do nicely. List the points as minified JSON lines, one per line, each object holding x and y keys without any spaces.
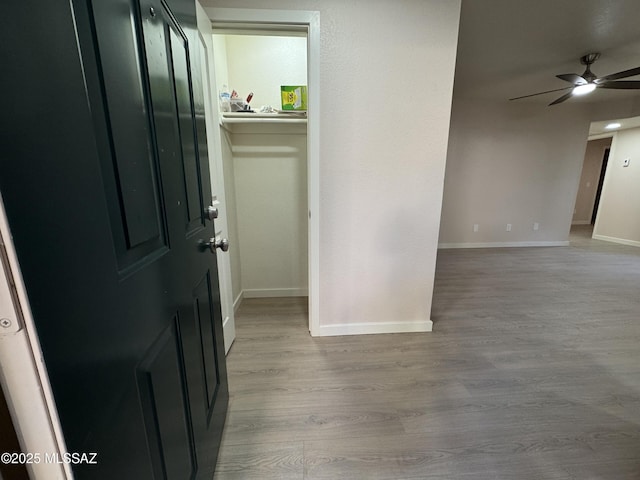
{"x":532,"y":372}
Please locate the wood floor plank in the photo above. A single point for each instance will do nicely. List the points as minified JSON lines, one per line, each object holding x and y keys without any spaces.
{"x":427,"y":456}
{"x":621,"y":469}
{"x":338,"y":394}
{"x":312,"y":422}
{"x":260,"y":461}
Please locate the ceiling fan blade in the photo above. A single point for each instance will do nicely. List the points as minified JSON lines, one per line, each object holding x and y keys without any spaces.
{"x":624,"y":74}
{"x":540,"y":93}
{"x":572,"y":78}
{"x":563,"y":98}
{"x":621,"y":84}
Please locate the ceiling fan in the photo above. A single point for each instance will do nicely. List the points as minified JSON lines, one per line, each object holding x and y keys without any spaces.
{"x":588,"y":81}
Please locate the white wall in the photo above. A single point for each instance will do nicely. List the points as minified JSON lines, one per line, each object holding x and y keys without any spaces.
{"x":517,"y":163}
{"x":589,"y":180}
{"x":270,"y":171}
{"x":220,"y":62}
{"x":386,"y":77}
{"x":265,"y":170}
{"x":262,"y":63}
{"x":619,"y":211}
{"x":514,"y":163}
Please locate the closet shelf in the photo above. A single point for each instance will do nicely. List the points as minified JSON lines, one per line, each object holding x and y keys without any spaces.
{"x":229,"y":120}
{"x":237,"y":117}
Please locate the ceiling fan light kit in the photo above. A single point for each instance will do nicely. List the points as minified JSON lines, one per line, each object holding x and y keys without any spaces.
{"x":583,"y":89}
{"x":588,"y":81}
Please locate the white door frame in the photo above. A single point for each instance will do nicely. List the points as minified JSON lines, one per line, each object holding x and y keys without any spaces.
{"x":23,"y":374}
{"x":310,"y":20}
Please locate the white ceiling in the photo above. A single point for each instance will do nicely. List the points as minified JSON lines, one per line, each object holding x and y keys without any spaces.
{"x":509,"y":48}
{"x":599,"y":128}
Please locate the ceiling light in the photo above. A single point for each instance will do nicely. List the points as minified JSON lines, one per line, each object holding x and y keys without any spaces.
{"x":613,"y":126}
{"x":584,"y":89}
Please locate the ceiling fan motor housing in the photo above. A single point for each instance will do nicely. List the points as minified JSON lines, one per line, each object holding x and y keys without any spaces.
{"x":588,"y":60}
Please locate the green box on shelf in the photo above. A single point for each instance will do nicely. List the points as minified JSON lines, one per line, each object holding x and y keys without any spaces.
{"x":294,"y":97}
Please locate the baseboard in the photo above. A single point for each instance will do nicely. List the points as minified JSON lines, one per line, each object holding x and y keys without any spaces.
{"x":581,"y":222}
{"x":374,"y":328}
{"x":622,"y":241}
{"x":503,"y":244}
{"x":238,"y":301}
{"x":275,"y":292}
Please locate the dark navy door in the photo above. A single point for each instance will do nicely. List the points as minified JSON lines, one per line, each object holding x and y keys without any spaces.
{"x":105,"y":178}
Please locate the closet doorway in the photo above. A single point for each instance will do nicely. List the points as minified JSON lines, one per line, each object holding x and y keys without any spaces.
{"x":269,"y":158}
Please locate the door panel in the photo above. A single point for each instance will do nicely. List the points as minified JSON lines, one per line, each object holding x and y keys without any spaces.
{"x":192,"y":182}
{"x":126,"y":302}
{"x":131,"y":172}
{"x":203,"y":307}
{"x":128,"y":121}
{"x":163,"y":393}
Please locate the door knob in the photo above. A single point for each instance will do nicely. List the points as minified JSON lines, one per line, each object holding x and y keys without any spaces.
{"x":217,"y":242}
{"x":212,"y":212}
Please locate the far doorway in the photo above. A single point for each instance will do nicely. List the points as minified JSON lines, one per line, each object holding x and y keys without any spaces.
{"x":591,"y":180}
{"x":603,"y":170}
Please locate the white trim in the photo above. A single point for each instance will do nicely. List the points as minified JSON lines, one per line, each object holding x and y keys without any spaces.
{"x":375,"y":328}
{"x":581,"y":222}
{"x":606,"y":186}
{"x":255,"y":16}
{"x":238,"y":301}
{"x":600,"y":136}
{"x":25,"y":381}
{"x":310,"y":19}
{"x":275,"y":292}
{"x":622,"y":241}
{"x":503,"y":244}
{"x":313,"y":166}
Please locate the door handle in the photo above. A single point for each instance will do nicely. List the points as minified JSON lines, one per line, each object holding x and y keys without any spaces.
{"x":212,"y":212}
{"x":217,"y":242}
